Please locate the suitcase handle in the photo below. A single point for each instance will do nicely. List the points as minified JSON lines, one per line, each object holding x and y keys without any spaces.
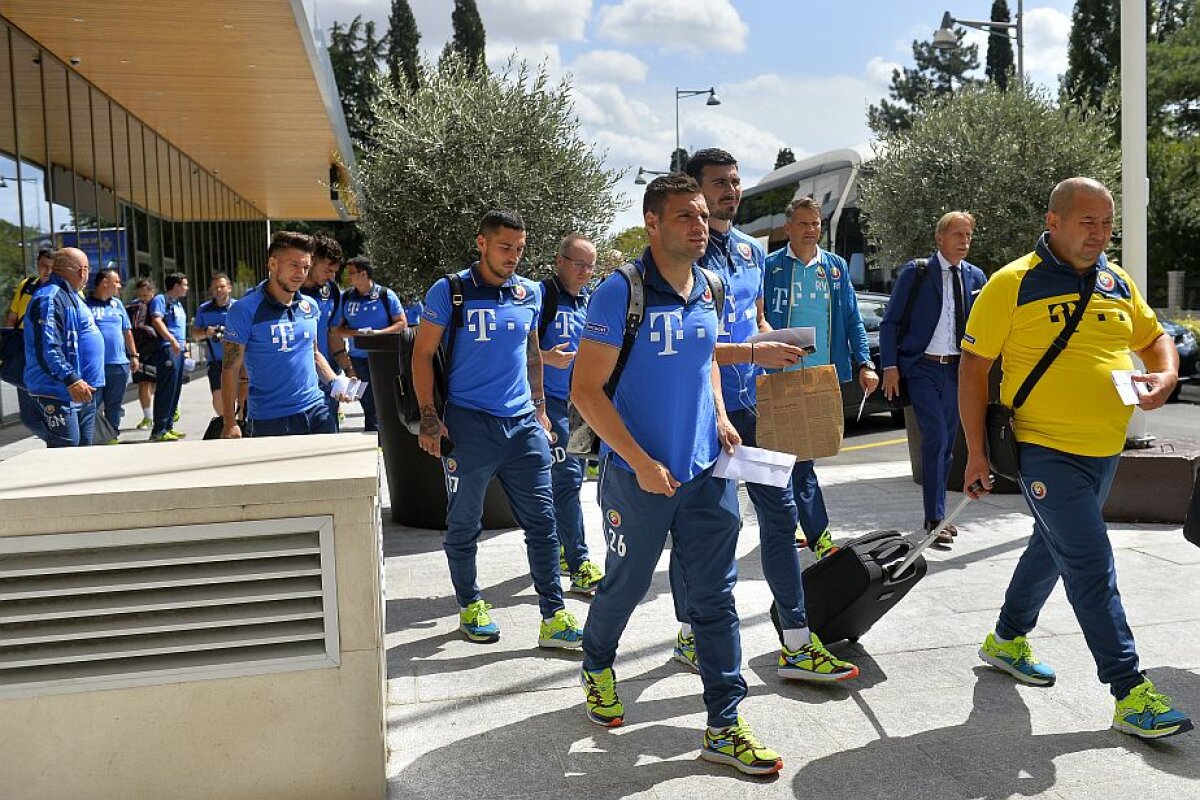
{"x":915,"y":553}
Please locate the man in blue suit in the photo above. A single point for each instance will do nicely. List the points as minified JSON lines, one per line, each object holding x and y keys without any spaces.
{"x":919,"y":341}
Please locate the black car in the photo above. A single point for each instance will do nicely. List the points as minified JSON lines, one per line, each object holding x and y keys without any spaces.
{"x":1189,"y":350}
{"x":871,"y":306}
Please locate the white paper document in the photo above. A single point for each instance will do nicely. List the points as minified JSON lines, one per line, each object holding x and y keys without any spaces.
{"x":805,"y":338}
{"x":1129,"y":392}
{"x":755,"y":465}
{"x":351,"y":388}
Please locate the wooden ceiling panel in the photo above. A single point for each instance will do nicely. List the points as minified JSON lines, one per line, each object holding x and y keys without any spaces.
{"x":229,"y":83}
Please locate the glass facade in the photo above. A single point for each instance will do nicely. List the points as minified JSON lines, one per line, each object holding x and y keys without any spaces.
{"x":77,"y":169}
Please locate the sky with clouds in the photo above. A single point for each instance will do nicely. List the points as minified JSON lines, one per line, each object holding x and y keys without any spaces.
{"x":790,"y":73}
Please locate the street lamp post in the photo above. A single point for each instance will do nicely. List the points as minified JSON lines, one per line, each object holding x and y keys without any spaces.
{"x":945,"y":39}
{"x":640,"y":180}
{"x":713,"y":100}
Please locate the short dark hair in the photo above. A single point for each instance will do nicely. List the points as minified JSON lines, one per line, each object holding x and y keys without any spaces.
{"x":803,"y":202}
{"x":327,"y":248}
{"x":47,"y":252}
{"x":104,"y":273}
{"x":655,"y":199}
{"x":219,"y":276}
{"x":499,"y":218}
{"x":173,"y":279}
{"x":144,"y":283}
{"x":708,"y":157}
{"x":284,"y":240}
{"x":362,"y":264}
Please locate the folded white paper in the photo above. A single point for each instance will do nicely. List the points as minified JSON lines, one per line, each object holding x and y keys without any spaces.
{"x":805,"y":338}
{"x":351,"y":388}
{"x":1129,"y":392}
{"x":755,"y":465}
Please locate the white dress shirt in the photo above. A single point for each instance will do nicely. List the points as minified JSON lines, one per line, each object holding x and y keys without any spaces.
{"x":944,"y":342}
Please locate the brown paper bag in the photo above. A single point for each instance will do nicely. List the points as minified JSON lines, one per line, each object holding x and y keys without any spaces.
{"x":800,"y":412}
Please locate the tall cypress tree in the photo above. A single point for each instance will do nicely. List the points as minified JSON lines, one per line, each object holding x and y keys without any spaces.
{"x":469,"y":38}
{"x":937,"y":72}
{"x":1093,"y":50}
{"x":999,"y":49}
{"x":403,"y":58}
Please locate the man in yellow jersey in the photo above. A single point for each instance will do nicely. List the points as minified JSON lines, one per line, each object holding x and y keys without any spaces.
{"x":1070,"y":431}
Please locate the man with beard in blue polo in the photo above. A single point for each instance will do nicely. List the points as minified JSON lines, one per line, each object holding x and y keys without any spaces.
{"x":662,"y":429}
{"x":169,"y":318}
{"x":564,"y":311}
{"x":738,"y":259}
{"x":273,"y":331}
{"x":322,"y":289}
{"x":366,"y":309}
{"x":495,"y":418}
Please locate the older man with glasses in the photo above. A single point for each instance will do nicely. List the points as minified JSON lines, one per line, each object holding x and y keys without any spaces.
{"x":564,"y":312}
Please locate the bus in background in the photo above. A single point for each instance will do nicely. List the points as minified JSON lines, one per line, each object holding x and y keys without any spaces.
{"x":831,"y":179}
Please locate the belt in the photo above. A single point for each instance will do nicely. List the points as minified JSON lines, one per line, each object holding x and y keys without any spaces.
{"x":942,"y":359}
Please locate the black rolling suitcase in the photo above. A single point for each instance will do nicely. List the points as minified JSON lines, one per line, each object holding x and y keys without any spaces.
{"x":848,"y":592}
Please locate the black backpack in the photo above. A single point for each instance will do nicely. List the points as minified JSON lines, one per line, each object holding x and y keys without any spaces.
{"x":406,"y":396}
{"x":582,"y":441}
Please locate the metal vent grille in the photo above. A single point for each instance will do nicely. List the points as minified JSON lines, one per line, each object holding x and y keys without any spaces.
{"x":155,"y":605}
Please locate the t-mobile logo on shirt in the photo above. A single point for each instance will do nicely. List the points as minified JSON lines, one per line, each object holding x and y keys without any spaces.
{"x":781,"y":295}
{"x":480,"y":321}
{"x":283,"y":334}
{"x":672,"y":330}
{"x":563,"y":322}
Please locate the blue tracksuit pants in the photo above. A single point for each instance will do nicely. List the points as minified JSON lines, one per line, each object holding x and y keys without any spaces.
{"x":566,"y":474}
{"x":516,"y":450}
{"x":933,"y":389}
{"x":1066,"y":493}
{"x":810,"y":503}
{"x":116,"y":378}
{"x":169,"y":379}
{"x":703,"y":520}
{"x":777,"y":517}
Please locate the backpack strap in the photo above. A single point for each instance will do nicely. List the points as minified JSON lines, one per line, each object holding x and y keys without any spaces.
{"x":457,"y":313}
{"x":922,"y":267}
{"x":635,"y":312}
{"x":1059,"y":343}
{"x":717,"y":287}
{"x":549,"y":306}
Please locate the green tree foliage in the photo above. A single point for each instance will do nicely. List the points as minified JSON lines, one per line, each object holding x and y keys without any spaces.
{"x":469,"y":38}
{"x":679,"y":160}
{"x":936,"y":73}
{"x":999,"y":49}
{"x":13,"y":264}
{"x":403,"y":57}
{"x":996,"y":154}
{"x":354,"y":54}
{"x":784,"y":157}
{"x":465,"y":142}
{"x":630,"y":243}
{"x":1093,"y":50}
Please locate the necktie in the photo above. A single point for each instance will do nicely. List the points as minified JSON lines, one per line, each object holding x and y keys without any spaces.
{"x":960,"y":318}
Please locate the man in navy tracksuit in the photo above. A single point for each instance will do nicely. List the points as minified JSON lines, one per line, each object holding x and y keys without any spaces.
{"x":64,"y":353}
{"x":662,"y":430}
{"x":564,"y":311}
{"x":738,"y":259}
{"x":169,"y":318}
{"x":322,"y":289}
{"x":495,"y":418}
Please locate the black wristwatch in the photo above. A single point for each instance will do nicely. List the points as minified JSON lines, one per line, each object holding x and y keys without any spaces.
{"x":868,"y":364}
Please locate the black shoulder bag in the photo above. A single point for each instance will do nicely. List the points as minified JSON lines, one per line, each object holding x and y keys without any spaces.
{"x":406,"y":396}
{"x":1001,"y":439}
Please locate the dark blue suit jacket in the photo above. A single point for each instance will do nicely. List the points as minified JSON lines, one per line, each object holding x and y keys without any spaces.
{"x":926,"y":310}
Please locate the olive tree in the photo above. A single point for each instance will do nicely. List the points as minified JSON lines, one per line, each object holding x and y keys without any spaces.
{"x":462,"y":143}
{"x":996,"y":154}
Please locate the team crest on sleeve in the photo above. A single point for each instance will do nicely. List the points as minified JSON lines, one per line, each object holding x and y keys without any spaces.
{"x":614,"y":518}
{"x":305,"y":307}
{"x":820,"y":271}
{"x":1105,"y":281}
{"x":451,"y":465}
{"x":744,"y":250}
{"x":1038,"y":490}
{"x":707,"y":296}
{"x":324,"y":291}
{"x":835,"y":273}
{"x":518,"y":291}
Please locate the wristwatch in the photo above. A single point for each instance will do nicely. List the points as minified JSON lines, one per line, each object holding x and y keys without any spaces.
{"x":868,"y":364}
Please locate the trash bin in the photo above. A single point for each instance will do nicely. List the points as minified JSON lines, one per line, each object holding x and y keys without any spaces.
{"x":416,"y":484}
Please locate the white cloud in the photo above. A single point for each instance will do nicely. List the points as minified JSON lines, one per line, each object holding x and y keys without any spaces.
{"x":1046,"y":33}
{"x":604,"y":104}
{"x":498,"y":52}
{"x":879,"y":73}
{"x":534,"y":21}
{"x":696,"y":25}
{"x":609,"y":66}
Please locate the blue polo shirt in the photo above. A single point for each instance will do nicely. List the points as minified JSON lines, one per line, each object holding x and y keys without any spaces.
{"x":209,"y":313}
{"x":565,"y":327}
{"x":174,"y":316}
{"x":738,"y":259}
{"x":375,"y":310}
{"x":112,"y":320}
{"x":62,"y":342}
{"x":328,"y":298}
{"x":413,"y":312}
{"x":488,"y":371}
{"x":665,"y":395}
{"x":278,"y":342}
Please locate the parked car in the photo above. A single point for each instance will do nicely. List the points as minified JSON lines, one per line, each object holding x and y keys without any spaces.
{"x":871,"y":306}
{"x":1189,"y":350}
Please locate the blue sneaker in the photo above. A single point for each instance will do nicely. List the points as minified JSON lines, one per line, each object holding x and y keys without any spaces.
{"x":1148,"y":715}
{"x":1017,"y":659}
{"x":476,"y":624}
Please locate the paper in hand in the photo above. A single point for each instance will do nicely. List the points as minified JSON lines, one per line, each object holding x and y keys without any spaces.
{"x":804,"y":338}
{"x":1129,"y":392}
{"x":755,"y":465}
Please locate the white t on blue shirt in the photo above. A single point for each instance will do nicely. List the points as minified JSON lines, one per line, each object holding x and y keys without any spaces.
{"x":738,"y":259}
{"x":375,"y":310}
{"x":278,"y":342}
{"x":665,"y":395}
{"x":488,"y":370}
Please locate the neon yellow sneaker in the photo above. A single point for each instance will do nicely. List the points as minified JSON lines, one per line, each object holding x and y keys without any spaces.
{"x":178,"y":434}
{"x":586,"y":579}
{"x":824,"y":545}
{"x":476,"y":624}
{"x":738,"y":747}
{"x":601,"y":703}
{"x":564,"y":568}
{"x":685,"y":651}
{"x":563,"y":632}
{"x":812,"y":662}
{"x":175,"y":418}
{"x":1148,"y":715}
{"x":1017,"y":659}
{"x":113,"y":441}
{"x":145,"y":425}
{"x":168,"y":436}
